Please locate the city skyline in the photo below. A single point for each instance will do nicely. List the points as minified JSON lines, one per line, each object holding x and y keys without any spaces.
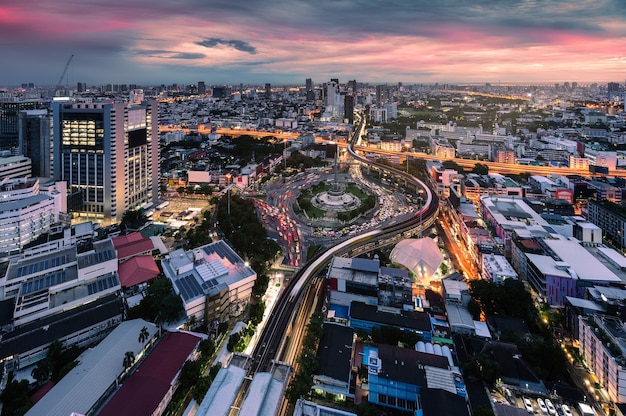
{"x":284,"y":42}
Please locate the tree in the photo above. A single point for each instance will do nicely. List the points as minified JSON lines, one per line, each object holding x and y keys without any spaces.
{"x":483,"y":367}
{"x":41,"y":372}
{"x":256,"y":312}
{"x":143,"y":335}
{"x":129,"y":359}
{"x":15,"y":398}
{"x":451,"y":164}
{"x":189,"y":374}
{"x":481,"y":169}
{"x":201,"y":387}
{"x":133,"y":219}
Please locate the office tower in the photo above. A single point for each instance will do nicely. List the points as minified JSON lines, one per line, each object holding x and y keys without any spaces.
{"x":81,"y":87}
{"x":201,"y":88}
{"x":352,"y":86}
{"x":108,"y":155}
{"x":379,"y":94}
{"x":348,"y":108}
{"x":35,"y":140}
{"x":309,"y":84}
{"x":9,"y":115}
{"x":332,"y":94}
{"x":221,"y":92}
{"x":268,"y":90}
{"x":335,"y":80}
{"x":612,"y":89}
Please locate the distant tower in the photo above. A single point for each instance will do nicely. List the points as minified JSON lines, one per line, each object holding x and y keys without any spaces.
{"x":35,"y":140}
{"x":309,"y":84}
{"x":201,"y":88}
{"x":81,"y":87}
{"x":379,"y":94}
{"x":9,"y":113}
{"x":352,"y":86}
{"x":348,"y":108}
{"x":268,"y":90}
{"x":612,"y":90}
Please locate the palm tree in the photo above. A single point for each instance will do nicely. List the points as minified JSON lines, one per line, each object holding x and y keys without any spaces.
{"x":129,"y":359}
{"x":143,"y":335}
{"x":41,"y":372}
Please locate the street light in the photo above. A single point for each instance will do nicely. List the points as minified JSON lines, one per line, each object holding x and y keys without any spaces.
{"x":285,"y":152}
{"x":228,"y":176}
{"x":406,"y":180}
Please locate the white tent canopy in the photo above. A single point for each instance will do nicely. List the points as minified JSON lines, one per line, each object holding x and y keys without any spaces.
{"x":420,"y":255}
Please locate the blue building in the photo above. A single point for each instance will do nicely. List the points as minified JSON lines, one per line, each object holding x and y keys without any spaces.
{"x":397,"y":377}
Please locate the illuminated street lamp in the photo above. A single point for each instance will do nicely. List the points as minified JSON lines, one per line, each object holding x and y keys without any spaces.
{"x":228,"y":176}
{"x":406,"y":180}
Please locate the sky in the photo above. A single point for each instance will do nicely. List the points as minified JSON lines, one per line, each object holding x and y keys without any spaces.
{"x":285,"y":41}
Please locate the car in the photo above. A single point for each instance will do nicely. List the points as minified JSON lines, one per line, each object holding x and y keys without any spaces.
{"x":528,"y":405}
{"x":566,"y":410}
{"x":550,"y":406}
{"x":542,"y":406}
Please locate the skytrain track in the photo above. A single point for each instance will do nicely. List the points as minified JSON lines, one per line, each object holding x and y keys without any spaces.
{"x":278,"y":330}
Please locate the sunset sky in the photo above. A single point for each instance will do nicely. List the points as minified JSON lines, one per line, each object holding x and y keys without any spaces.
{"x":286,"y":41}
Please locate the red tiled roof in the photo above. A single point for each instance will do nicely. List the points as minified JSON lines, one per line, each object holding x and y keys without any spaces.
{"x":142,"y":392}
{"x":134,"y":248}
{"x":125,"y":239}
{"x":137,"y":270}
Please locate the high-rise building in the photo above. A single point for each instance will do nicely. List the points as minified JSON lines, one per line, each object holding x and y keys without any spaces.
{"x":81,"y":87}
{"x":201,"y":88}
{"x":612,"y":89}
{"x":352,"y":86}
{"x":108,"y":155}
{"x":221,"y":92}
{"x":309,"y":84}
{"x":379,"y":94}
{"x":348,"y":108}
{"x":9,"y":114}
{"x":35,"y":140}
{"x":268,"y":90}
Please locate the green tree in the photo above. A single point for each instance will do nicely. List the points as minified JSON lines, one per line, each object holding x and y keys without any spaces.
{"x":15,"y":398}
{"x":200,"y":388}
{"x":451,"y":164}
{"x":143,"y":335}
{"x":481,"y":169}
{"x":41,"y":373}
{"x":129,"y":360}
{"x":256,"y":312}
{"x":133,"y":219}
{"x":189,"y":374}
{"x":483,"y":367}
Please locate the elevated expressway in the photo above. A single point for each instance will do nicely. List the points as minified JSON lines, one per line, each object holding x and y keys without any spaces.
{"x":280,"y":331}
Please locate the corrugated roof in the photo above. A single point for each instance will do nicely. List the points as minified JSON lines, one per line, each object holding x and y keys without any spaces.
{"x":148,"y":385}
{"x":99,"y":367}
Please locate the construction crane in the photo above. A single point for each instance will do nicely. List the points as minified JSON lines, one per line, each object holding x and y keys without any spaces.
{"x":67,"y":65}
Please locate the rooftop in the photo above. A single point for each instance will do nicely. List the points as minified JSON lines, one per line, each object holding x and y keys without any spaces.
{"x":418,"y":321}
{"x":98,"y":368}
{"x":335,"y":352}
{"x":144,"y":390}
